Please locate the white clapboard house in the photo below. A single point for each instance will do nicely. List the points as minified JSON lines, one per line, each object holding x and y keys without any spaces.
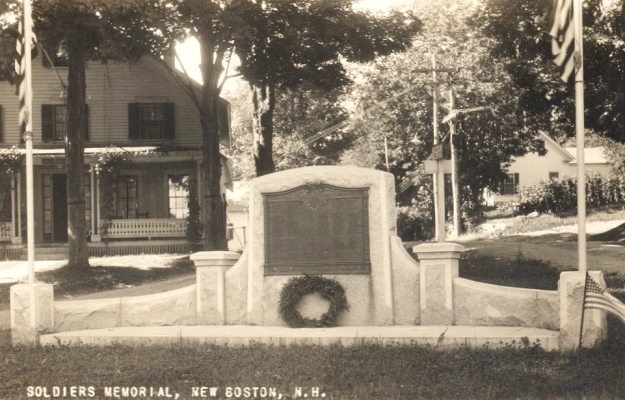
{"x":137,"y":109}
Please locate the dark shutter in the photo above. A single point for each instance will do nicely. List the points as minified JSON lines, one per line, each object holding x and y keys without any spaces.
{"x":134,"y":121}
{"x":86,"y":134}
{"x":47,"y":122}
{"x":223,"y":116}
{"x":516,"y":183}
{"x":1,"y":126}
{"x":169,"y":121}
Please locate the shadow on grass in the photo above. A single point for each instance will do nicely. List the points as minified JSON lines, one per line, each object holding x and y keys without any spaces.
{"x":98,"y":279}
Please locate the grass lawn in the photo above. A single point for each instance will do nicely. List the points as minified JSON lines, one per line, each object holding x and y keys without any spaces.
{"x":357,"y":372}
{"x":549,"y":221}
{"x":107,"y":273}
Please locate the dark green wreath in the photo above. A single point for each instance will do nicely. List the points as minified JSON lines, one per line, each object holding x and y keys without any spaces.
{"x":298,"y":287}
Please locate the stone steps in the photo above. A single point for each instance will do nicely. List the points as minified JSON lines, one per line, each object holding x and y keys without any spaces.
{"x":242,"y":335}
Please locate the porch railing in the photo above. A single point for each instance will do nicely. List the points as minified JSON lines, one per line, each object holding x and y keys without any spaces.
{"x":141,"y":228}
{"x":5,"y":232}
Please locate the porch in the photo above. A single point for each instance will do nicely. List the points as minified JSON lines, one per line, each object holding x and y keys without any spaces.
{"x":143,"y":208}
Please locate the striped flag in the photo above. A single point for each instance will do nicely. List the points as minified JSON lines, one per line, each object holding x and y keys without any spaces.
{"x":20,"y":67}
{"x":562,"y":32}
{"x":598,"y":297}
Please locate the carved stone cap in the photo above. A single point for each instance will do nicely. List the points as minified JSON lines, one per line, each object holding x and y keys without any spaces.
{"x":214,"y":258}
{"x":438,"y":250}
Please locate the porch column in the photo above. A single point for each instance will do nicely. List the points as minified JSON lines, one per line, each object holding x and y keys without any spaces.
{"x":200,"y":193}
{"x":13,"y":208}
{"x":19,"y":207}
{"x":95,"y":206}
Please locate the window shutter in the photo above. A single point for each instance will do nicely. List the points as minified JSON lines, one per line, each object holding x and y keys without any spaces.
{"x":516,"y":182}
{"x":47,"y":122}
{"x":1,"y":126}
{"x":134,"y":121}
{"x":169,"y":121}
{"x":86,"y":133}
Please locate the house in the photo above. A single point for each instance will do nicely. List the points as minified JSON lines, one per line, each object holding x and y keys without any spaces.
{"x":550,"y":161}
{"x":136,"y":111}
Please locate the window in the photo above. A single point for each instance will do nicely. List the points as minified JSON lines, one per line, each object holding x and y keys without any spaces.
{"x":541,"y":148}
{"x":126,"y":197}
{"x":58,"y":57}
{"x":178,"y":186}
{"x":554,"y":176}
{"x":510,"y":185}
{"x":151,"y":121}
{"x":54,"y":122}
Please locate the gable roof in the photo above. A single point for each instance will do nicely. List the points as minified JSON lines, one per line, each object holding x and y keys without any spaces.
{"x":592,"y":155}
{"x":567,"y":156}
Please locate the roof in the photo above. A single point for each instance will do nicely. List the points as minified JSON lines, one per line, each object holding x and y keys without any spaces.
{"x":592,"y":155}
{"x":555,"y":144}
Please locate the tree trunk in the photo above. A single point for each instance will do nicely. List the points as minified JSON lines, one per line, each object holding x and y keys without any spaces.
{"x":74,"y":159}
{"x":264,"y":101}
{"x":213,"y":201}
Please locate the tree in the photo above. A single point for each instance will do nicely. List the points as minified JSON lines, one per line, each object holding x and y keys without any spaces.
{"x":485,"y":140}
{"x":87,"y":30}
{"x":305,"y":42}
{"x":521,"y":43}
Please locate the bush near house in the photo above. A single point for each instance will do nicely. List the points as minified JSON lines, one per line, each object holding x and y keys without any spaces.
{"x":560,"y":196}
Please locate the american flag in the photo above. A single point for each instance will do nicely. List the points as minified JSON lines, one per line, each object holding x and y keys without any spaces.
{"x":562,"y":32}
{"x":22,"y":49}
{"x":597,"y":296}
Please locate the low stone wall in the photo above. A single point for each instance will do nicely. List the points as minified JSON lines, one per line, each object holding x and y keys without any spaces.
{"x":175,"y":307}
{"x":482,"y":304}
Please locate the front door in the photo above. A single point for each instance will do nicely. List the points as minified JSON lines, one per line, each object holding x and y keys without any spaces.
{"x":54,"y":208}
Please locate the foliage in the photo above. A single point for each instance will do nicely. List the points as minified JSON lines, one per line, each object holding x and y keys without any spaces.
{"x":110,"y":162}
{"x":10,"y":160}
{"x":560,"y":196}
{"x":519,"y":28}
{"x":485,"y":140}
{"x":298,"y":287}
{"x":306,"y":42}
{"x":416,"y":221}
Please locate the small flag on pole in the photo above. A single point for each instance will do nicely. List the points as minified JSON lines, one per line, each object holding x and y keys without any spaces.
{"x":20,"y":69}
{"x":598,"y":297}
{"x":562,"y":32}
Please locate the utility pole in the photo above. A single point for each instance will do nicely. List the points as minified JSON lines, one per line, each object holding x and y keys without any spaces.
{"x":454,"y":170}
{"x":451,"y":119}
{"x":438,"y":176}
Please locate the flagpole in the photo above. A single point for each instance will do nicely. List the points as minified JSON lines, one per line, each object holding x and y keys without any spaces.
{"x":28,"y":139}
{"x":579,"y":134}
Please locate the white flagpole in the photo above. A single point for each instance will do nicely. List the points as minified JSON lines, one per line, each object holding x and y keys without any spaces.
{"x":579,"y":132}
{"x":28,"y":139}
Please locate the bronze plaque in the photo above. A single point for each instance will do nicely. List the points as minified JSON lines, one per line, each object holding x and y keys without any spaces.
{"x":317,"y":229}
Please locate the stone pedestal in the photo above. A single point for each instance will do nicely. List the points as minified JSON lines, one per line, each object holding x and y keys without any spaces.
{"x":571,"y":294}
{"x":438,"y":263}
{"x":211,"y":267}
{"x":32,"y":312}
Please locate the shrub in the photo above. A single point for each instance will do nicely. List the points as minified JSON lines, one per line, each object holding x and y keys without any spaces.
{"x":416,"y":221}
{"x":561,"y":196}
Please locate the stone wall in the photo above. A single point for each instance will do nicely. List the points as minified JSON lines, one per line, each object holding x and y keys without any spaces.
{"x":482,"y":304}
{"x":175,"y":307}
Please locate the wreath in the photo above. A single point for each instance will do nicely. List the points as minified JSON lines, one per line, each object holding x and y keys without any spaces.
{"x":298,"y":287}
